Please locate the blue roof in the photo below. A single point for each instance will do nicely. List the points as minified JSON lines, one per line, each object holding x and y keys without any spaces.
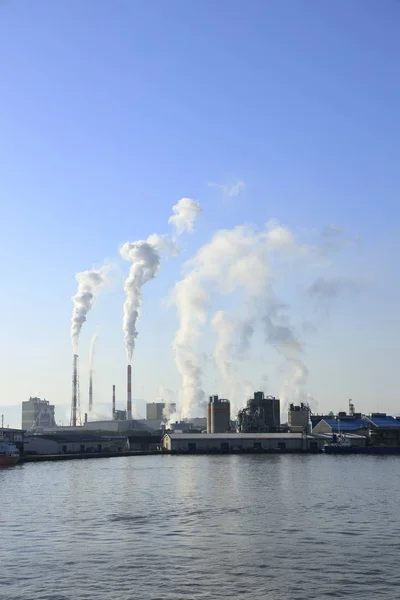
{"x":383,"y":421}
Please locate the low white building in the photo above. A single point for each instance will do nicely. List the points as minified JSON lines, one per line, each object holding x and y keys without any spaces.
{"x":217,"y":442}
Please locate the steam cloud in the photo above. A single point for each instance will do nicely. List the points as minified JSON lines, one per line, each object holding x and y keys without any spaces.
{"x":89,"y":284}
{"x":145,"y":264}
{"x":235,"y":261}
{"x":229,"y":190}
{"x":92,"y":349}
{"x":144,"y":257}
{"x":240,"y":262}
{"x":185,"y":214}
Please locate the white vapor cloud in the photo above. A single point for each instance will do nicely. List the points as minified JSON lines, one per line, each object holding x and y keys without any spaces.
{"x":185,"y":213}
{"x":89,"y":284}
{"x":145,"y":258}
{"x":229,"y":190}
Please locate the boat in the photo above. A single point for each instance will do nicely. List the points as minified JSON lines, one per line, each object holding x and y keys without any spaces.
{"x":342,"y":445}
{"x":9,"y":454}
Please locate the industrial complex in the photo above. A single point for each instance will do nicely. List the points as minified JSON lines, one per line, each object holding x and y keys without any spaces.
{"x":257,"y":427}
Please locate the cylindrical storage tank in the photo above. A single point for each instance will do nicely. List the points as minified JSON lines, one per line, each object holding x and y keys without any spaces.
{"x":220,"y":415}
{"x":209,"y":415}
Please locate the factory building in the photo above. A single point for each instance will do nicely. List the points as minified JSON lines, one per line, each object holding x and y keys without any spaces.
{"x":299,"y":418}
{"x":37,"y":413}
{"x":159,"y":410}
{"x":218,"y":415}
{"x":236,"y":442}
{"x":74,"y":442}
{"x":262,"y":414}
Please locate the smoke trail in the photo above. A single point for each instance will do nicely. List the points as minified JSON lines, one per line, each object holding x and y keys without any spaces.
{"x":92,"y":349}
{"x":89,"y":284}
{"x":191,"y":301}
{"x":237,"y":261}
{"x":233,"y":260}
{"x":281,"y":335}
{"x":226,"y":334}
{"x":144,"y":256}
{"x":145,"y":264}
{"x":186,"y":211}
{"x":91,"y":356}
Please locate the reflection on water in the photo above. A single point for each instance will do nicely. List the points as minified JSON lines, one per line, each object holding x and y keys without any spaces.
{"x":188,"y":527}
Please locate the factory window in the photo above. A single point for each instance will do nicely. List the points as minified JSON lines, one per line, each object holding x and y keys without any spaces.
{"x":192,"y":446}
{"x":282,"y":445}
{"x":257,"y":446}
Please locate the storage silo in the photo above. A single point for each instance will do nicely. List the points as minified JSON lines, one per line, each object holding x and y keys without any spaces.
{"x":220,"y":415}
{"x":209,"y":414}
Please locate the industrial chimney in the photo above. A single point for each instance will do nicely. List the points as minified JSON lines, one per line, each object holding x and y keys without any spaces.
{"x":75,"y":408}
{"x":90,"y":391}
{"x":129,"y":395}
{"x":113,"y":403}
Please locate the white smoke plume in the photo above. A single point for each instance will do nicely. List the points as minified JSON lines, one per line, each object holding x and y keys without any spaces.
{"x":235,"y":261}
{"x":185,"y":213}
{"x":281,"y":335}
{"x":89,"y":284}
{"x":92,"y":349}
{"x":191,"y":301}
{"x":229,"y":190}
{"x":144,"y":256}
{"x":145,"y":263}
{"x":224,"y":349}
{"x":239,"y":261}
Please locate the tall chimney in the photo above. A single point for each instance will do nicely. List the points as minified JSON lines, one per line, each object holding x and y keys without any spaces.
{"x":113,"y":403}
{"x":90,"y":391}
{"x":129,"y":395}
{"x":74,"y":390}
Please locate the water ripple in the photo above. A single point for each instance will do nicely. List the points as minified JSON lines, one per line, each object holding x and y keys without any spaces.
{"x":194,"y":528}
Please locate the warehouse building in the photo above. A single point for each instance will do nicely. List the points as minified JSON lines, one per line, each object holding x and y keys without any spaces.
{"x":217,"y":442}
{"x":384,"y":429}
{"x":72,"y":443}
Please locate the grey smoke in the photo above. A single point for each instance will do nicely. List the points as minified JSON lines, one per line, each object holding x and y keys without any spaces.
{"x":325,"y":288}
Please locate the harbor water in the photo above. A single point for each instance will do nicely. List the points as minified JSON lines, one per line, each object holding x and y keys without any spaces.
{"x":201,"y":527}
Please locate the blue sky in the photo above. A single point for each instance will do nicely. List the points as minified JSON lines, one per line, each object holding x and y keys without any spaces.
{"x":112,"y":111}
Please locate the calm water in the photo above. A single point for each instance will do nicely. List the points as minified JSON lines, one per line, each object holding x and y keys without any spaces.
{"x":251,"y":527}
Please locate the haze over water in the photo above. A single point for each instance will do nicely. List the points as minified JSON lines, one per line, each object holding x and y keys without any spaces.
{"x":201,"y":527}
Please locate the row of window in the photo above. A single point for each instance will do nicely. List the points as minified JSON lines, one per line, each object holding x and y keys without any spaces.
{"x":256,"y":446}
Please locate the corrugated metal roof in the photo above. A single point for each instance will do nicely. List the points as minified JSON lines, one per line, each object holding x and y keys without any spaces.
{"x":383,"y":421}
{"x":236,"y":436}
{"x":73,"y":437}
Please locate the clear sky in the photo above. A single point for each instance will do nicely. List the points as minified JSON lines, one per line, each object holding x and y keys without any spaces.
{"x":110,"y":111}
